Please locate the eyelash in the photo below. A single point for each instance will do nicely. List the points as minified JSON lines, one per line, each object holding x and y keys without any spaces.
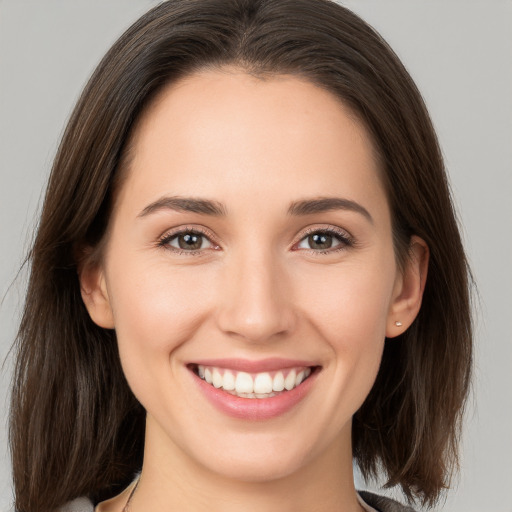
{"x":346,"y":240}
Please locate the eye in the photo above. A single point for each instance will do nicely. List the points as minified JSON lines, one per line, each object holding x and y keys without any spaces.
{"x":189,"y":240}
{"x":325,"y":240}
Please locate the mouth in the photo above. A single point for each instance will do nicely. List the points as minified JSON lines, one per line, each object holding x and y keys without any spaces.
{"x":254,"y":385}
{"x":252,"y":390}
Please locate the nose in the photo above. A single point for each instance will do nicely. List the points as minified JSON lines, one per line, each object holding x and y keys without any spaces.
{"x":257,"y":300}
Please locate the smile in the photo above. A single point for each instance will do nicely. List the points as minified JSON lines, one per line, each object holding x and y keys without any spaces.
{"x":254,"y":391}
{"x":253,"y":385}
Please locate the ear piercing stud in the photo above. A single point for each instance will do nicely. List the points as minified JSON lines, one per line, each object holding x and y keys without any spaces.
{"x":398,"y":324}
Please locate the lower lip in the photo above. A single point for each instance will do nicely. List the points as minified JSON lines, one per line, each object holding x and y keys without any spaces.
{"x":255,"y":409}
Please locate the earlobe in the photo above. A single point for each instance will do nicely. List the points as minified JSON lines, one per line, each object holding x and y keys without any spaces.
{"x":94,"y":291}
{"x":409,"y":288}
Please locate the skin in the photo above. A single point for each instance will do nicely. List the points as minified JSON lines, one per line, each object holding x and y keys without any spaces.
{"x":256,"y":289}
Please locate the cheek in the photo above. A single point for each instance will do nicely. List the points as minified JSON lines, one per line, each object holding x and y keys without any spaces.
{"x":350,"y":302}
{"x":348,"y":310}
{"x":155,"y":311}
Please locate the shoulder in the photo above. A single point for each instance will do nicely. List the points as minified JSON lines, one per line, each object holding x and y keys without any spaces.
{"x":383,"y":504}
{"x":78,"y":505}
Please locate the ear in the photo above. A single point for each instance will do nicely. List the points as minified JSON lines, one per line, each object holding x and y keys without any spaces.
{"x":93,"y":288}
{"x":408,"y":290}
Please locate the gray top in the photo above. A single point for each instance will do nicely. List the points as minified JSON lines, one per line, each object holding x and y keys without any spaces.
{"x":383,"y":504}
{"x":379,"y":503}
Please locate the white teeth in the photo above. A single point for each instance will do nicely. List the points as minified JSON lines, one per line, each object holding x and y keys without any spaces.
{"x":217,"y":379}
{"x":289,"y":382}
{"x":244,"y":383}
{"x":278,"y":383}
{"x":263,"y":383}
{"x":229,"y":381}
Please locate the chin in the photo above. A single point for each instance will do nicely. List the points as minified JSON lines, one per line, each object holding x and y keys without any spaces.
{"x":258,"y":459}
{"x":257,"y":469}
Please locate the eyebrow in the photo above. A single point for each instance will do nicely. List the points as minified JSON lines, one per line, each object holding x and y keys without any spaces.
{"x":326,"y":204}
{"x":214,"y":208}
{"x":185,"y":204}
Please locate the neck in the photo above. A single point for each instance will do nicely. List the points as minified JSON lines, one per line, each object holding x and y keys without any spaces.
{"x":171,"y":480}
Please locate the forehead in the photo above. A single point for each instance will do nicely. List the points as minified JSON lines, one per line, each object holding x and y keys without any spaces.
{"x":217,"y":131}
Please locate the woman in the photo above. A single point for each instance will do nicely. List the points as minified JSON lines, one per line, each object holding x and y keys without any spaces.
{"x":247,"y":275}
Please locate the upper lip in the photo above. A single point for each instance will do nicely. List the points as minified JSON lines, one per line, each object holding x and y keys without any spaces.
{"x":252,"y":366}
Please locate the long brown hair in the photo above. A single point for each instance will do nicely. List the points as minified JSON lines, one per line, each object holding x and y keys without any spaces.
{"x":76,"y":428}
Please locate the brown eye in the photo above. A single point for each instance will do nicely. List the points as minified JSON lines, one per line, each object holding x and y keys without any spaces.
{"x":320,"y":241}
{"x":324,"y":240}
{"x":189,"y":241}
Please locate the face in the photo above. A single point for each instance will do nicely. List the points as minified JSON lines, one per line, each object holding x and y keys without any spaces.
{"x":250,"y":246}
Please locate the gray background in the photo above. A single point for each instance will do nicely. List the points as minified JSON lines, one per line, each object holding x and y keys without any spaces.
{"x":459,"y":53}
